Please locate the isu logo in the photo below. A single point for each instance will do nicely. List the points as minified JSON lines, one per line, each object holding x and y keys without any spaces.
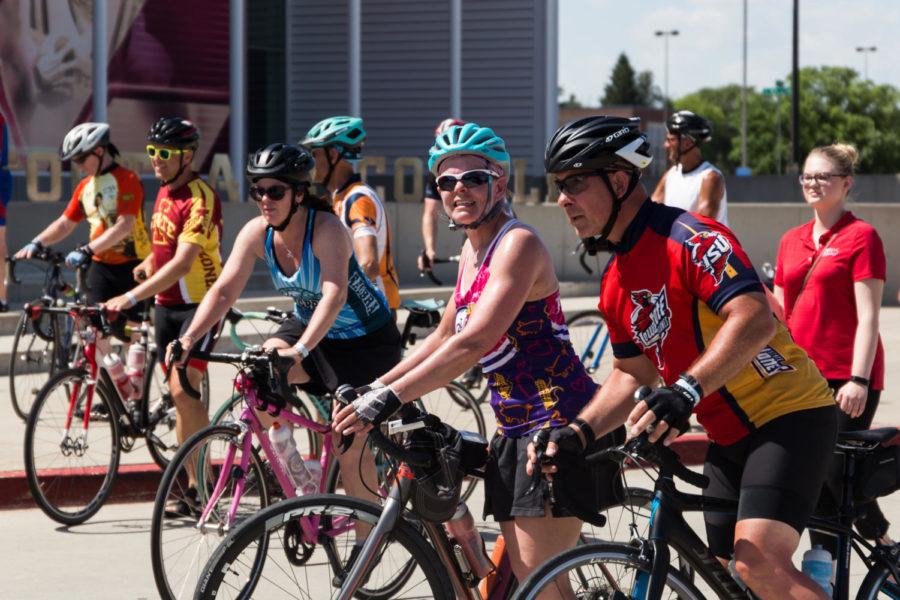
{"x":769,"y":362}
{"x":710,"y":251}
{"x":651,"y":320}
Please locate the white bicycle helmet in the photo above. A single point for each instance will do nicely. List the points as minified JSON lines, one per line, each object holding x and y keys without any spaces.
{"x":83,"y":138}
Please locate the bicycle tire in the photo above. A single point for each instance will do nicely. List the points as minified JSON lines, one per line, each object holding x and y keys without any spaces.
{"x":158,"y":416}
{"x":592,"y":567}
{"x":270,"y":524}
{"x":179,"y":550}
{"x":258,"y":328}
{"x":469,"y":418}
{"x":33,"y":359}
{"x":877,"y":584}
{"x":308,"y":445}
{"x":54,"y":486}
{"x":582,"y":327}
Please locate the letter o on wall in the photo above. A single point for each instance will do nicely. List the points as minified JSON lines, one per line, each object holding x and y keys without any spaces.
{"x":32,"y":163}
{"x":418,"y":187}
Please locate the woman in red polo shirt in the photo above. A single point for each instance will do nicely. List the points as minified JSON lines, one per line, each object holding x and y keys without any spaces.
{"x":829,"y":277}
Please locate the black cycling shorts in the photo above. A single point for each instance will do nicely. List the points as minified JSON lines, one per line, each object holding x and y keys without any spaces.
{"x":775,"y":473}
{"x":356,"y":362}
{"x":170,"y":322}
{"x":106,"y":281}
{"x":508,"y":493}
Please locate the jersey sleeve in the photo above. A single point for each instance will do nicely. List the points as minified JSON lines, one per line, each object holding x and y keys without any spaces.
{"x":716,"y":267}
{"x":362,"y":215}
{"x":198,"y":223}
{"x":868,"y":260}
{"x":131,"y":193}
{"x":74,"y":210}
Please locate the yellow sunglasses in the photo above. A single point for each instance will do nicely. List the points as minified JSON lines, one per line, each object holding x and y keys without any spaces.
{"x":164,"y":153}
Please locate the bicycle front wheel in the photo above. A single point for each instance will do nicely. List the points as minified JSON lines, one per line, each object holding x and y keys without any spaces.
{"x":601,"y":571}
{"x":178,"y":548}
{"x":294,"y":568}
{"x":33,"y":359}
{"x":71,"y":469}
{"x":879,"y":583}
{"x":253,"y":329}
{"x":587,"y":331}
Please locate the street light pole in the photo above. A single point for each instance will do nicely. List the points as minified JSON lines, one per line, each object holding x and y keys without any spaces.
{"x":666,"y":35}
{"x":865,"y":51}
{"x":744,"y":96}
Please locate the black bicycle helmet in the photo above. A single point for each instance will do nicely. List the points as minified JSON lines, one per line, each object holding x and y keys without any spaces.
{"x":685,"y":122}
{"x":601,"y":143}
{"x":285,"y":162}
{"x":175,"y":132}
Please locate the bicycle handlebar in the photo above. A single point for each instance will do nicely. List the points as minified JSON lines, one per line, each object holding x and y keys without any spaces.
{"x":50,"y":256}
{"x":437,"y":261}
{"x":655,"y":453}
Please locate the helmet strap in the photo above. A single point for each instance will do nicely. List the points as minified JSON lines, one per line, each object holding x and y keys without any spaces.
{"x":332,"y":165}
{"x":601,"y":242}
{"x":679,"y":151}
{"x":294,"y":206}
{"x":181,"y":168}
{"x":487,"y":214}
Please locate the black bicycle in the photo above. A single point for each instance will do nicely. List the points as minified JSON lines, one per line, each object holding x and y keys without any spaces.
{"x":642,"y":570}
{"x":44,"y":341}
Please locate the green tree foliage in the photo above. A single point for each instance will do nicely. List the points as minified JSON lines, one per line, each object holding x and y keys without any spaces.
{"x":626,"y":86}
{"x":836,"y":105}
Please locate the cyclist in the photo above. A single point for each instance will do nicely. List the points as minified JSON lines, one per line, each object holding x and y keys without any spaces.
{"x":431,"y":208}
{"x":186,"y":230}
{"x":691,"y":183}
{"x":336,"y":144}
{"x":5,"y":196}
{"x":682,"y":302}
{"x":506,"y":315}
{"x":338,"y":311}
{"x":111,"y":199}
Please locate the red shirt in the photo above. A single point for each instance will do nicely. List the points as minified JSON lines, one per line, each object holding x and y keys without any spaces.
{"x":191,"y":214}
{"x":661,"y":294}
{"x":823,"y":317}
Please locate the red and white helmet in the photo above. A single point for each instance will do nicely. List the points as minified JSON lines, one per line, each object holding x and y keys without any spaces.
{"x":446,"y":124}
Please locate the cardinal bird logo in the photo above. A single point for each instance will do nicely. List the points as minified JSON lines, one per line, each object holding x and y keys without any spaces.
{"x":651,"y":320}
{"x":710,"y":250}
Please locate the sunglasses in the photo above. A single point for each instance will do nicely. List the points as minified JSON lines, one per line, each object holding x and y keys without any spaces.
{"x":163,"y":153}
{"x":275,"y":192}
{"x":469,"y":179}
{"x":575,"y":184}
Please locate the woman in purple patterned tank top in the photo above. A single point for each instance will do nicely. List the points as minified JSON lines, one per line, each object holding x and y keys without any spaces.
{"x":506,"y":315}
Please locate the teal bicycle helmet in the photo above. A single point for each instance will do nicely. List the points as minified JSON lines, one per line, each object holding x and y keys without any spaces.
{"x":470,"y":138}
{"x":346,"y":132}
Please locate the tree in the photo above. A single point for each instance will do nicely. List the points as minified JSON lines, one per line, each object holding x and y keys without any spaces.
{"x":570,"y":102}
{"x":836,"y":105}
{"x":622,"y":87}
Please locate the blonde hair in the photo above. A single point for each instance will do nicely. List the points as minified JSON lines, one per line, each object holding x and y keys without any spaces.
{"x":843,"y":156}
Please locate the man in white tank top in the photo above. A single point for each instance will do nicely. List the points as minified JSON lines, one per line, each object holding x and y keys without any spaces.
{"x":691,"y":183}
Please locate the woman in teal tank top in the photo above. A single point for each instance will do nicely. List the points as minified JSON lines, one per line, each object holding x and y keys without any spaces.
{"x":339,"y":313}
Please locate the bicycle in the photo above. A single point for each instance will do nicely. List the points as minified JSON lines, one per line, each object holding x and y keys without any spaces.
{"x":69,"y":472}
{"x":232,"y":480}
{"x":641,"y":569}
{"x":42,"y":344}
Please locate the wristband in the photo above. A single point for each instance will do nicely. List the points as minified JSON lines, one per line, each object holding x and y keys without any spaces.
{"x":87,"y":250}
{"x":586,"y":431}
{"x":301,"y":349}
{"x":690,"y":385}
{"x":860,"y":380}
{"x":131,"y":298}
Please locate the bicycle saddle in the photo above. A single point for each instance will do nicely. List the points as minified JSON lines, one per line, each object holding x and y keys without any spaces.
{"x":870,"y":436}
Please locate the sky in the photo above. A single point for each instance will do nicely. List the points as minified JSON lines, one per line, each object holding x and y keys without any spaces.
{"x":707,"y":51}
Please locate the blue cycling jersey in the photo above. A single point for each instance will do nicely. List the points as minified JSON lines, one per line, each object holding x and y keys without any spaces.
{"x":366,"y":309}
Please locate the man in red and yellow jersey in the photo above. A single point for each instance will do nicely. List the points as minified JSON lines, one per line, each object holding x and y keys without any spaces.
{"x":336,"y":143}
{"x":110,"y":198}
{"x":683,"y":304}
{"x":186,"y":231}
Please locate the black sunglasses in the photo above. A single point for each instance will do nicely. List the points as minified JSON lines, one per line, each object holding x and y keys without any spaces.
{"x":470,"y":179}
{"x":275,"y":192}
{"x":575,"y":184}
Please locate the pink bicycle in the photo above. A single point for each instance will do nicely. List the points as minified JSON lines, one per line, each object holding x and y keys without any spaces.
{"x":219,"y":478}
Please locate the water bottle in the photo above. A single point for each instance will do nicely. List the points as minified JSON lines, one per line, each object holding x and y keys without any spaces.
{"x":461,"y":528}
{"x":113,"y":364}
{"x":137,"y":359}
{"x":286,"y":448}
{"x":817,"y":566}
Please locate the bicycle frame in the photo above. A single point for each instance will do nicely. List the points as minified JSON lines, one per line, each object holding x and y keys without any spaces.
{"x":250,"y":424}
{"x":595,"y":361}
